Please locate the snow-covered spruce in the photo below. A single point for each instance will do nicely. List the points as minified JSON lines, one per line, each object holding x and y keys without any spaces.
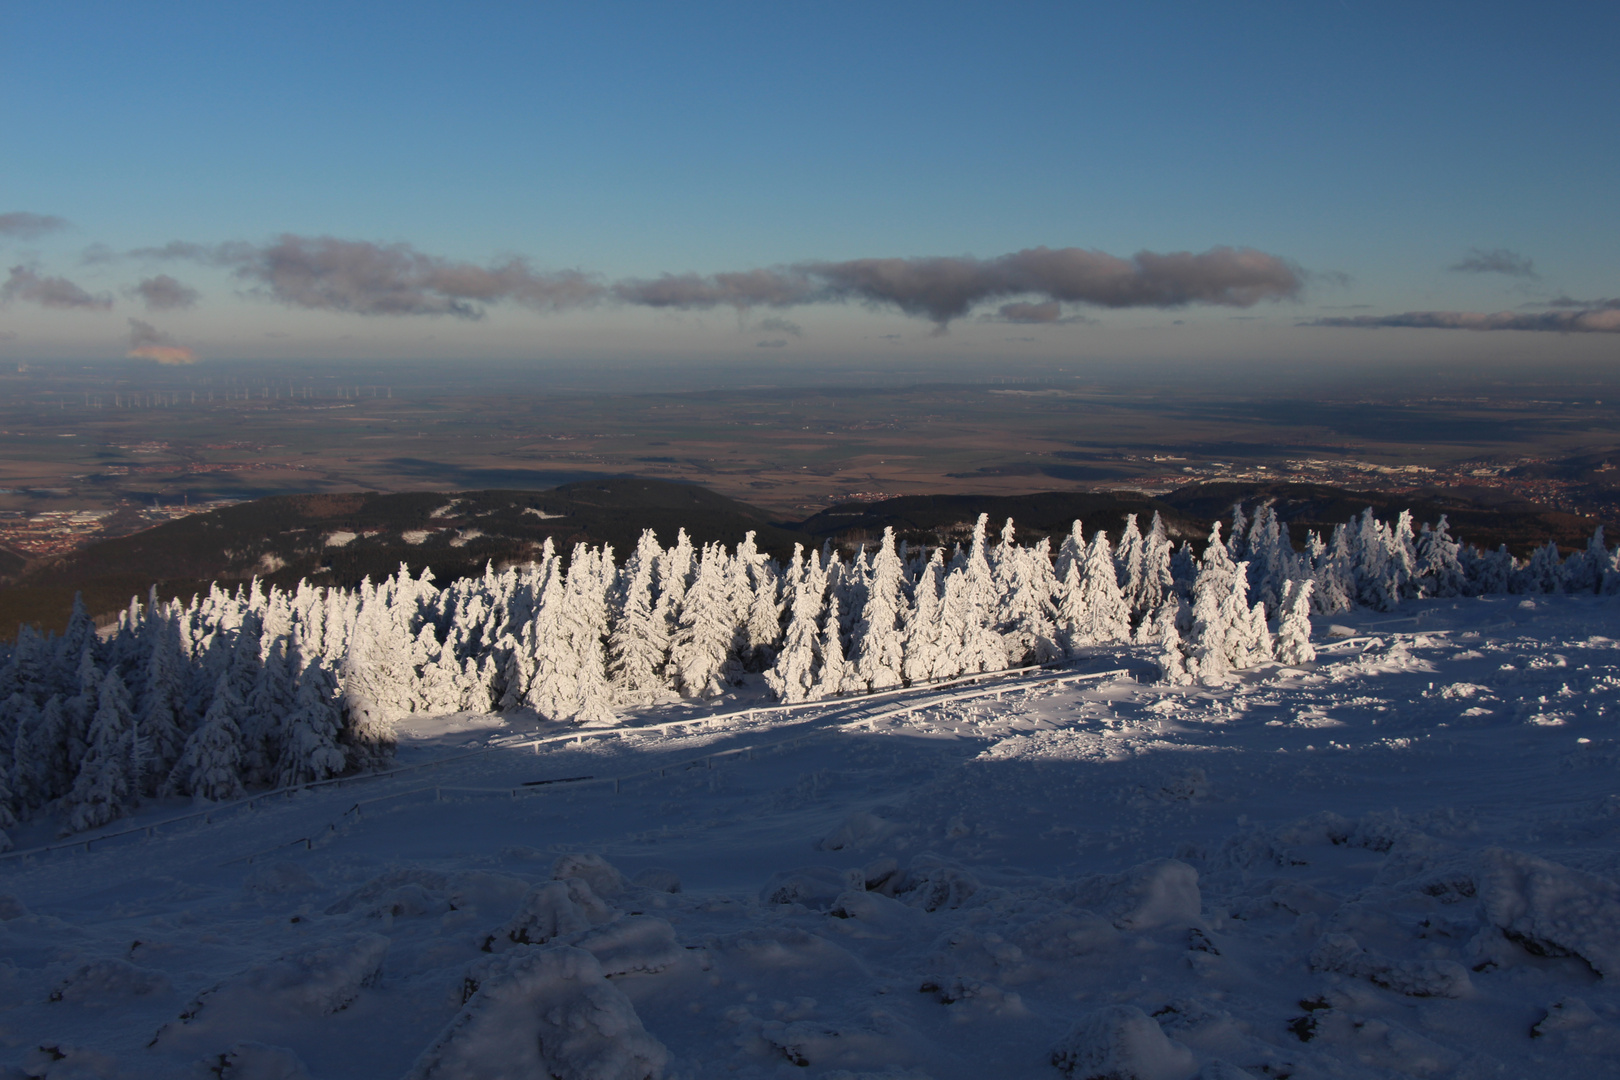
{"x":236,"y":691}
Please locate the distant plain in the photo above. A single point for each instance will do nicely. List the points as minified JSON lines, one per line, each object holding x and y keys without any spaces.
{"x":120,"y":435}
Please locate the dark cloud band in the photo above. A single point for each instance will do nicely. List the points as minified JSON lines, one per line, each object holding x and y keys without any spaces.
{"x":24,"y":283}
{"x":325,"y":273}
{"x":1596,"y":320}
{"x":25,"y":226}
{"x":945,"y":288}
{"x":164,"y":293}
{"x":1495,"y":261}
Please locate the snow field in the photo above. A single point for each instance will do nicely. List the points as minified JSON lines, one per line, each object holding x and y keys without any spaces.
{"x":1396,"y":860}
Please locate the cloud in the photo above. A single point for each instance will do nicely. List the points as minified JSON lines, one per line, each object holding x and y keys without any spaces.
{"x":164,"y":293}
{"x":1049,"y":312}
{"x":1570,"y":302}
{"x":1588,"y":321}
{"x":324,"y":273}
{"x":147,"y":342}
{"x":24,"y":283}
{"x":1495,"y":261}
{"x":774,"y":343}
{"x":26,"y":226}
{"x":941,"y":289}
{"x":776,"y":324}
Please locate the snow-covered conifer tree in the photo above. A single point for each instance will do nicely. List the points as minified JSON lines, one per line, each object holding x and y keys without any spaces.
{"x":1091,"y":610}
{"x":1544,"y":573}
{"x":105,"y":787}
{"x":1294,"y":625}
{"x":311,"y":747}
{"x":879,"y":651}
{"x":1335,"y":577}
{"x":265,"y":708}
{"x":1158,"y":581}
{"x":921,"y":627}
{"x":639,"y":643}
{"x":1184,"y":570}
{"x":1129,"y":565}
{"x":834,"y":674}
{"x":162,"y":724}
{"x":1172,"y":658}
{"x":757,"y":605}
{"x":49,"y":772}
{"x":210,"y":767}
{"x":701,"y":656}
{"x":1211,"y":645}
{"x":585,"y":631}
{"x":1439,"y":568}
{"x":793,"y":677}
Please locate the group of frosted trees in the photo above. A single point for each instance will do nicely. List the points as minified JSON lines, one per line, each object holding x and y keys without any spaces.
{"x":265,"y":688}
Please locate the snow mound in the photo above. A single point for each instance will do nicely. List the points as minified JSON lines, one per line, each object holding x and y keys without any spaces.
{"x":659,"y":879}
{"x":373,"y":890}
{"x":320,"y":980}
{"x":1220,"y":1070}
{"x":543,"y":1013}
{"x":594,"y":870}
{"x":108,"y":982}
{"x":279,"y":878}
{"x":552,"y":909}
{"x":1121,"y":1042}
{"x":858,"y":829}
{"x":816,"y":887}
{"x":64,"y":1062}
{"x":636,"y":943}
{"x":1547,"y":908}
{"x":1163,"y":892}
{"x":933,"y":884}
{"x":256,"y":1061}
{"x":1342,"y":954}
{"x":323,"y":979}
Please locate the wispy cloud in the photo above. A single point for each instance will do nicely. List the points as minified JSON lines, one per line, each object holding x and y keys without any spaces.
{"x":1049,"y":313}
{"x":775,"y":324}
{"x":324,"y":273}
{"x":773,"y":343}
{"x":164,"y":293}
{"x":1571,"y":302}
{"x":25,"y":283}
{"x":1495,"y":261}
{"x":1584,"y":321}
{"x":147,"y":342}
{"x":22,"y":225}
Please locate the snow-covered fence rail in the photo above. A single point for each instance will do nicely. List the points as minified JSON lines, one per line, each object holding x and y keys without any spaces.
{"x":207,"y":814}
{"x":705,"y":761}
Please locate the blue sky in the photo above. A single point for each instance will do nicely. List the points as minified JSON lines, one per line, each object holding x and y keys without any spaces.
{"x":1371,"y":147}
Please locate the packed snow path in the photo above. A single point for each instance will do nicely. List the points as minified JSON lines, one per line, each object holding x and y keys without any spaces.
{"x":1397,"y":861}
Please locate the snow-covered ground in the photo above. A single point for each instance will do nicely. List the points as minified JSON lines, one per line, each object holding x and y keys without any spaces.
{"x":1398,"y":861}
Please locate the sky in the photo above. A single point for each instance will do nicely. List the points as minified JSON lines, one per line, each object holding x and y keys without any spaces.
{"x":1324,"y":184}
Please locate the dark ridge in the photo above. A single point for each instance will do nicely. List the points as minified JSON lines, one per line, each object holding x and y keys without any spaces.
{"x":1482,"y":517}
{"x":284,"y":538}
{"x":930,"y":519}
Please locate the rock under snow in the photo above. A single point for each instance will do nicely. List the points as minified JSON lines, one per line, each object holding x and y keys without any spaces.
{"x":636,"y":943}
{"x":552,"y":909}
{"x":1121,"y":1042}
{"x":256,"y":1061}
{"x":1163,"y":892}
{"x":543,"y":1013}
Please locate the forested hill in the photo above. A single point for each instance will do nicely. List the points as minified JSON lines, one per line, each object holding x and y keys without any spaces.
{"x":340,"y":539}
